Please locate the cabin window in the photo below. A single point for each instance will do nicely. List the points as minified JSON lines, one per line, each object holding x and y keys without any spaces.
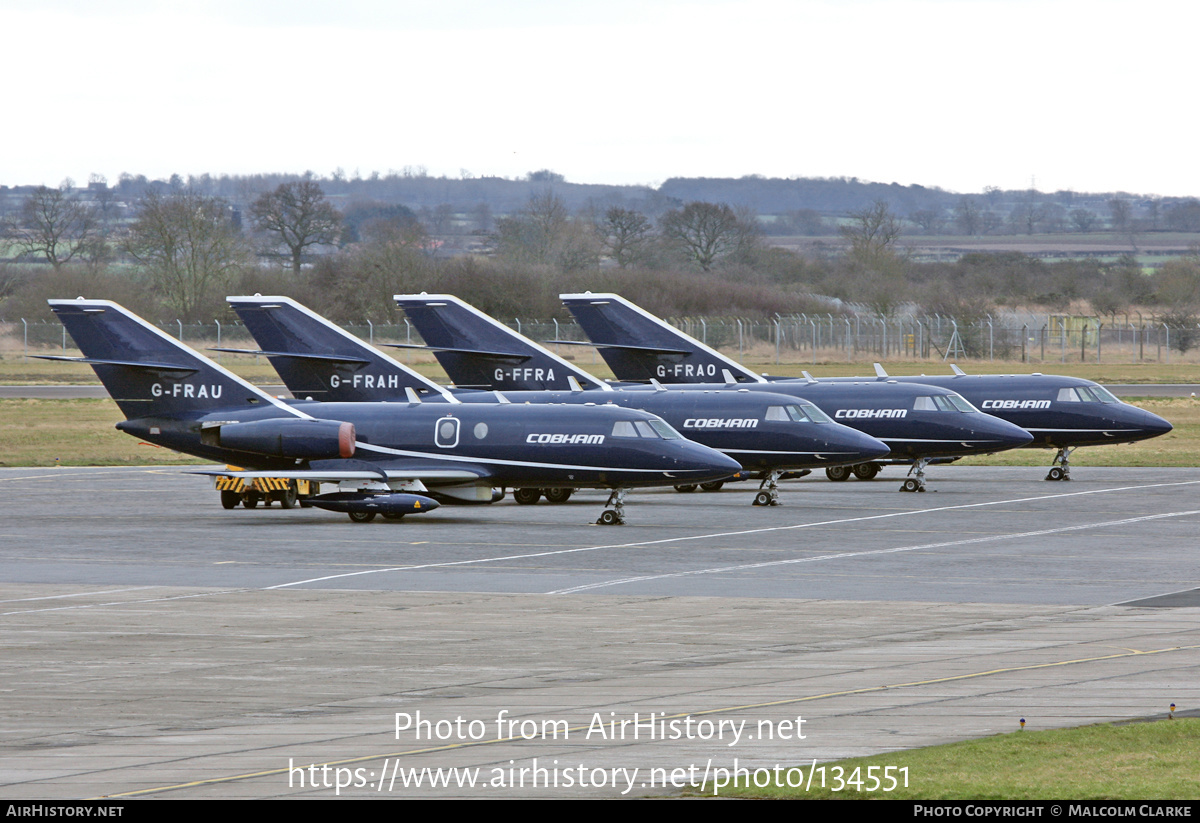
{"x":624,"y":428}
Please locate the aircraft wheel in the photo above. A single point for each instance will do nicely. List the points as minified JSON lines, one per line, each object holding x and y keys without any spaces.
{"x":527,"y":497}
{"x":608,"y":517}
{"x":838,"y":473}
{"x":910,"y":485}
{"x":393,"y":517}
{"x":362,"y":517}
{"x":229,"y":500}
{"x":687,"y":487}
{"x":762,"y":499}
{"x":714,"y":486}
{"x":1056,"y":473}
{"x":557,"y":495}
{"x":289,"y":496}
{"x":250,"y":500}
{"x":866,"y":471}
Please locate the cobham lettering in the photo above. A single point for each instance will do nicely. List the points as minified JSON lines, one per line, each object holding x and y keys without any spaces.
{"x":850,"y":414}
{"x":564,"y":439}
{"x":720,"y":423}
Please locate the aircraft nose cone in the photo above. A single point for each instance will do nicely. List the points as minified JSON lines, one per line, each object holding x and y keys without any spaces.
{"x":1011,"y":436}
{"x":1153,"y":424}
{"x":868,"y":448}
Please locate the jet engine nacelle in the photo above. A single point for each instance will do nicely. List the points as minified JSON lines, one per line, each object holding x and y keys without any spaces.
{"x":289,"y":437}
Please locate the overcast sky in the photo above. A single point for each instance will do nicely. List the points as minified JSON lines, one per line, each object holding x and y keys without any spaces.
{"x":962,"y":94}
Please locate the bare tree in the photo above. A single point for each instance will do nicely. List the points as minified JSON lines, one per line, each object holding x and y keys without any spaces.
{"x":1121,"y":212}
{"x":929,"y":220}
{"x":1084,"y":219}
{"x":189,"y":248}
{"x":299,"y":216}
{"x":967,"y":214}
{"x":626,"y":233}
{"x":53,"y":224}
{"x":872,"y":234}
{"x":543,"y":233}
{"x":705,"y":233}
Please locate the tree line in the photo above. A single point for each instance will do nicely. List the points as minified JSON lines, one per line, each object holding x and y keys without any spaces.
{"x":176,"y":252}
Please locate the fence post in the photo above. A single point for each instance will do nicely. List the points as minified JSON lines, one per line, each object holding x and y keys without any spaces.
{"x":25,"y":358}
{"x":218,"y":322}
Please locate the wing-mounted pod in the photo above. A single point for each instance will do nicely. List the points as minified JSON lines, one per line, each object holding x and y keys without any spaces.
{"x":478,"y":352}
{"x":636,"y":345}
{"x":316,"y":359}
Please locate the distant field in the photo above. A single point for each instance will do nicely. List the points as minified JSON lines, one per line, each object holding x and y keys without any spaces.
{"x":82,"y":433}
{"x":14,"y":371}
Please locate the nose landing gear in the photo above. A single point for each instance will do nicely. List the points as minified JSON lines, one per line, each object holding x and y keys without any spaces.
{"x":916,"y":483}
{"x":614,"y":516}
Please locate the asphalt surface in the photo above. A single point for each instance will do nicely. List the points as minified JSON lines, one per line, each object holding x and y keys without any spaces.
{"x":157,"y":645}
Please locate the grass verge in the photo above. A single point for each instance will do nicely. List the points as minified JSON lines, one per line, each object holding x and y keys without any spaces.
{"x":1135,"y":761}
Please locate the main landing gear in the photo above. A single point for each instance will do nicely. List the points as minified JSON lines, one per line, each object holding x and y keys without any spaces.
{"x":1060,"y":467}
{"x":527,"y":497}
{"x":916,"y":483}
{"x":768,"y":490}
{"x":614,"y":516}
{"x":862,"y":471}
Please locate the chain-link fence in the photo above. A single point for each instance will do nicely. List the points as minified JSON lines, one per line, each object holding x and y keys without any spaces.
{"x":784,"y":339}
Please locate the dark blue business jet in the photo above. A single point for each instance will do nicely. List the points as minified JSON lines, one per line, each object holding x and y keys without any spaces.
{"x":919,"y":424}
{"x":769,"y":435}
{"x":387,"y":458}
{"x":1062,"y":413}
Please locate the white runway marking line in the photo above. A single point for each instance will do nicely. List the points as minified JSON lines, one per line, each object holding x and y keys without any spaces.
{"x":896,"y":550}
{"x":482,"y":560}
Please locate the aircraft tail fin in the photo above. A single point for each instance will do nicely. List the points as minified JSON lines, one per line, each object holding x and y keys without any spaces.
{"x":636,"y":345}
{"x":316,"y":359}
{"x":477,"y":350}
{"x":148,"y":372}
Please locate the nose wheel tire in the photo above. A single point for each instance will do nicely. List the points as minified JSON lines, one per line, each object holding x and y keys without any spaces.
{"x":1057,"y":474}
{"x":838,"y":473}
{"x":608,"y":517}
{"x":911,"y":485}
{"x":762,"y":499}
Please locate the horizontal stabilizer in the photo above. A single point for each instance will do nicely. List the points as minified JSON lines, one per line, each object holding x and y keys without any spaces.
{"x":129,"y":364}
{"x":504,"y":356}
{"x":328,"y":358}
{"x":622,"y":347}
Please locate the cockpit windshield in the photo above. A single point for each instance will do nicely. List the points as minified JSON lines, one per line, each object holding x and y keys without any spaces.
{"x":943,"y":402}
{"x":654,"y":429}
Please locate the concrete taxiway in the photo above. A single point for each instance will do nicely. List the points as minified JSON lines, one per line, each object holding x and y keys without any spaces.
{"x":157,"y":645}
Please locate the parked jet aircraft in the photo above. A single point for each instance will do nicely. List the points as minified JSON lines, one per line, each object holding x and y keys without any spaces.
{"x":918,"y":423}
{"x":767,"y":434}
{"x":390,"y":458}
{"x":1060,"y":412}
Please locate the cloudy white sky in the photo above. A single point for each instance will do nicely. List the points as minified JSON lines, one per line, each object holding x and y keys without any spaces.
{"x":962,"y":94}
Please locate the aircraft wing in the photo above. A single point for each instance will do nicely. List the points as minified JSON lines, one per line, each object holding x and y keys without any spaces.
{"x":418,"y":470}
